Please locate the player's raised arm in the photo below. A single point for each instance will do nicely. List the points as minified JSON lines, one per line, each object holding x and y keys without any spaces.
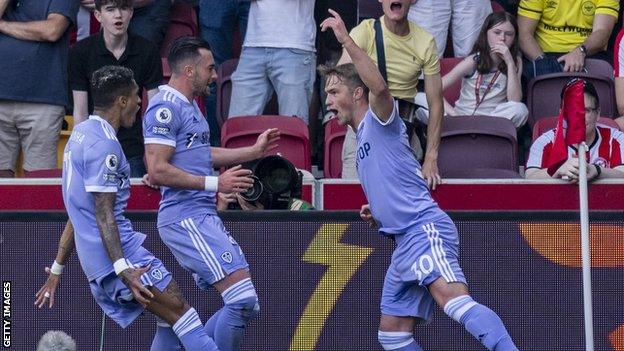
{"x":66,"y":247}
{"x":380,"y":99}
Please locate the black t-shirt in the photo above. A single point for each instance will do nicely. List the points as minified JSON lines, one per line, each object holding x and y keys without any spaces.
{"x":141,"y":56}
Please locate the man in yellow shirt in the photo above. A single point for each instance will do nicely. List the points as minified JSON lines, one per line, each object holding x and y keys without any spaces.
{"x":409,"y":51}
{"x":567,"y":31}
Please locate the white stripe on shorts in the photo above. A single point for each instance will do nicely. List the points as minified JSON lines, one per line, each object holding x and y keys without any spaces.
{"x":438,"y":252}
{"x":203,"y":249}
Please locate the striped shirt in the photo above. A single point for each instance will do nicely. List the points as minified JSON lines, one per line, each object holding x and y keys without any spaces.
{"x":606,"y":150}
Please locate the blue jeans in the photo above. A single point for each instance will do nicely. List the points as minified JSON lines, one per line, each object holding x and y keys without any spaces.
{"x":151,"y":22}
{"x":288,"y":72}
{"x":217,"y":20}
{"x":137,"y":167}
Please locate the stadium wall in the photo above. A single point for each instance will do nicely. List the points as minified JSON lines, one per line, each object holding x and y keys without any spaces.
{"x":319,"y":277}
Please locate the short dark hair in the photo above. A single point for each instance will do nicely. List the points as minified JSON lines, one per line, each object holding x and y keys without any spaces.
{"x":122,"y":4}
{"x":184,"y":48}
{"x":347,"y":75}
{"x":110,"y":82}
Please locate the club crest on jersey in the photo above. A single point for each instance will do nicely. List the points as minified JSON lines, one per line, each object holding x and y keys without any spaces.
{"x":156,"y":274}
{"x":164,"y":115}
{"x":111,"y":162}
{"x":227,"y":257}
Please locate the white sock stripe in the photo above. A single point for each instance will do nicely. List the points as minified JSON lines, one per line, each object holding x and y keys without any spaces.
{"x":238,"y":288}
{"x":163,"y":324}
{"x":394,"y":340}
{"x":199,"y":247}
{"x":457,"y":307}
{"x":208,"y":250}
{"x":189,"y":321}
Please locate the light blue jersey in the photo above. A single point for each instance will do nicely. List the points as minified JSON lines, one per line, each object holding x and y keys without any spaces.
{"x":174,"y":121}
{"x":391,"y":176}
{"x":93,"y":162}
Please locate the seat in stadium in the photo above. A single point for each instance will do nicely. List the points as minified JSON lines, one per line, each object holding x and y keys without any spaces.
{"x":224,"y":92}
{"x":597,"y":67}
{"x":544,"y":94}
{"x":369,"y":9}
{"x":469,"y":143}
{"x":548,"y":123}
{"x":183,"y":22}
{"x":294,"y":143}
{"x":451,"y":93}
{"x":334,"y":138}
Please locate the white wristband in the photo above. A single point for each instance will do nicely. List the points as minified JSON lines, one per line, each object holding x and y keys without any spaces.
{"x":120,"y":265}
{"x":211,"y":183}
{"x":57,"y":268}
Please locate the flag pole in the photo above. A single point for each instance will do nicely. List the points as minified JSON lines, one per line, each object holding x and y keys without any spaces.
{"x":585,"y":250}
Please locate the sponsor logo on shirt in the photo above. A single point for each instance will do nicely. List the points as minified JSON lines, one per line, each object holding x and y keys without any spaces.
{"x":164,"y":115}
{"x":111,"y":162}
{"x":160,"y":130}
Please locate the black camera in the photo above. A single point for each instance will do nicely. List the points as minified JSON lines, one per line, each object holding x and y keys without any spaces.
{"x":276,"y":183}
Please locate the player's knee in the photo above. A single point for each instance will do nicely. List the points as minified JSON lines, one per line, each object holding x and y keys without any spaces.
{"x":394,"y":340}
{"x":242,"y":301}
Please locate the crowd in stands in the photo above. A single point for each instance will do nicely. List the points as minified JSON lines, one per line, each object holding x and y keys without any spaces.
{"x":441,"y":59}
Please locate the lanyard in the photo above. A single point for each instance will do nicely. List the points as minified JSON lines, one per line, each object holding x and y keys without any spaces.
{"x":487,"y":89}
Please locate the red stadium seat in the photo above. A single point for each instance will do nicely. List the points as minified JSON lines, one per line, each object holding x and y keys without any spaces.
{"x":224,"y":92}
{"x":183,"y":22}
{"x":334,"y":138}
{"x":496,"y":7}
{"x":44,"y":173}
{"x":451,"y":93}
{"x":544,"y":94}
{"x":294,"y":143}
{"x":470,"y":143}
{"x":548,"y":123}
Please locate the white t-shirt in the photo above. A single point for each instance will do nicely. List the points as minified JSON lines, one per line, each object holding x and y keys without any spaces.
{"x":281,"y":24}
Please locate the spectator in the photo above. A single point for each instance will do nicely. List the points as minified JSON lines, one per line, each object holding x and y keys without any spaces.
{"x":556,"y":36}
{"x":606,"y":147}
{"x":217,"y":20}
{"x":409,"y":51}
{"x":490,"y":76}
{"x":618,"y":63}
{"x":464,"y":17}
{"x":150,"y":19}
{"x":56,"y":340}
{"x":278,"y":54}
{"x":34,"y":37}
{"x":114,"y":46}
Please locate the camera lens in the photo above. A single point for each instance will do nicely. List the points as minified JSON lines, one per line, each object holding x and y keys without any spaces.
{"x":253,"y":194}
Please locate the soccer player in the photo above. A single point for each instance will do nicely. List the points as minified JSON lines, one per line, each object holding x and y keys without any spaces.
{"x":124,"y":277}
{"x":180,"y":161}
{"x":424,"y":266}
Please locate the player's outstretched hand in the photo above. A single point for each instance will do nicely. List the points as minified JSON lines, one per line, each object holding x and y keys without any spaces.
{"x":367,"y":216}
{"x":336,"y":23}
{"x":132,"y":278}
{"x":235,"y":180}
{"x":430,"y":173}
{"x":266,"y":142}
{"x":48,"y":291}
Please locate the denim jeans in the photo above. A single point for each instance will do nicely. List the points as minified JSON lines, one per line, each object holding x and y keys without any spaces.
{"x":137,"y":167}
{"x":151,"y":22}
{"x":217,"y":20}
{"x":288,"y":72}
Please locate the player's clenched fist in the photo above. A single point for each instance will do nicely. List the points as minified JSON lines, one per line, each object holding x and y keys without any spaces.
{"x":367,"y":216}
{"x":235,"y":180}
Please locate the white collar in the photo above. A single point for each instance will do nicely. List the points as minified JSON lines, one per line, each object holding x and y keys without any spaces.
{"x":174,"y":91}
{"x":98,"y":118}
